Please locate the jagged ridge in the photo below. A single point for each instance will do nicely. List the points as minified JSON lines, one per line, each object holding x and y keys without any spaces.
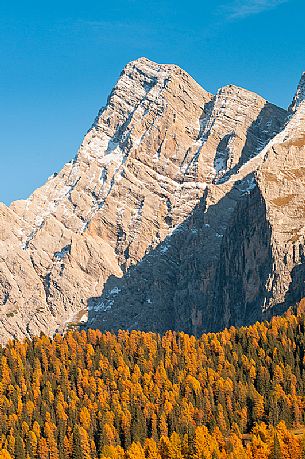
{"x":162,"y":149}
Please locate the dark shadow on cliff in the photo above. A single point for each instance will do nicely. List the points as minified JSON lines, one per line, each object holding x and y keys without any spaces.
{"x":208,"y":274}
{"x":258,"y":136}
{"x":296,"y":290}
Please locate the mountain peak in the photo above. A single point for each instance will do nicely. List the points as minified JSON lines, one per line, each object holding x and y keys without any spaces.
{"x":148,"y":68}
{"x":143,"y":74}
{"x":299,"y":95}
{"x":149,"y":64}
{"x":233,"y":92}
{"x":160,"y":152}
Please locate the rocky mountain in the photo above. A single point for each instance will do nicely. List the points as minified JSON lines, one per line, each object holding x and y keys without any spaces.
{"x":181,"y":210}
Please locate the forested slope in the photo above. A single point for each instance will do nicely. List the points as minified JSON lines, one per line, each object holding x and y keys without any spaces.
{"x":135,"y":394}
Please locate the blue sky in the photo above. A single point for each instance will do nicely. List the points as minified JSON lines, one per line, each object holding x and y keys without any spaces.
{"x":60,"y":59}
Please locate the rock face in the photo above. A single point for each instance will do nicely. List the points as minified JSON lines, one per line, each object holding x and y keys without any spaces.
{"x":181,"y":210}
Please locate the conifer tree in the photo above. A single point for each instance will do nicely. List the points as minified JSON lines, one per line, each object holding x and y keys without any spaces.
{"x":19,"y":448}
{"x":276,"y":452}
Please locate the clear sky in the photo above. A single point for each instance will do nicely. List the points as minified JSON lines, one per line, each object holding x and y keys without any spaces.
{"x":60,"y":59}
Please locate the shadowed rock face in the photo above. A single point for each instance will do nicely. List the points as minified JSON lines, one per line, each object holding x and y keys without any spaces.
{"x":177,"y":212}
{"x":208,"y":274}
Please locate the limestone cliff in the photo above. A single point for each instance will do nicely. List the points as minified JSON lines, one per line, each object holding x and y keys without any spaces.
{"x":180,"y":210}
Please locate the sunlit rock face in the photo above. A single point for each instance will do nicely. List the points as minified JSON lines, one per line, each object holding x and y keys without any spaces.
{"x":181,"y":210}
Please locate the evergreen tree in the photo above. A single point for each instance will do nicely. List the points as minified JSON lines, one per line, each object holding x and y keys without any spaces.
{"x":19,"y":448}
{"x":276,"y":452}
{"x":77,"y":445}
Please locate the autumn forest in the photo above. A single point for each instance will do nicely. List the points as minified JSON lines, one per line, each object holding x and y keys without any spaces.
{"x":239,"y":393}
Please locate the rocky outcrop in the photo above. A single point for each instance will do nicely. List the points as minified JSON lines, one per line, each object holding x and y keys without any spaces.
{"x":299,"y":95}
{"x":166,"y":218}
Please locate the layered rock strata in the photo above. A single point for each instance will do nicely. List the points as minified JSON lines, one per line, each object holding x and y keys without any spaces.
{"x":180,"y":210}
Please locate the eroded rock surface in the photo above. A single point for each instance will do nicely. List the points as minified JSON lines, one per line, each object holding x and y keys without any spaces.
{"x":180,"y":210}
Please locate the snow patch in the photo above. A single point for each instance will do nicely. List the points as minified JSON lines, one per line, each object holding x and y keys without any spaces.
{"x":103,"y":306}
{"x":114,"y":291}
{"x":84,"y":318}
